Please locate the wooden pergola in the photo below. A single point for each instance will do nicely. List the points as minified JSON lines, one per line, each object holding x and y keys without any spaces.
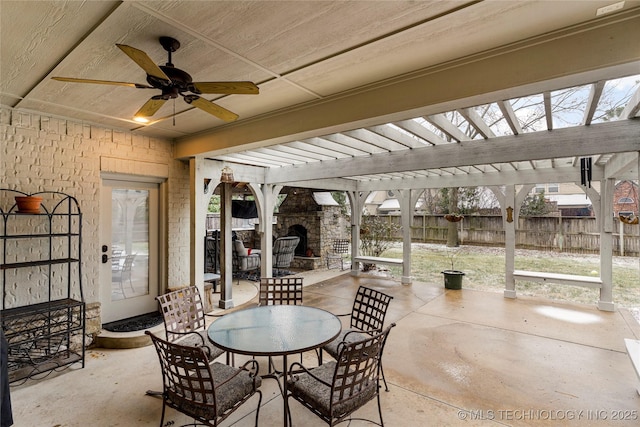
{"x":401,"y":137}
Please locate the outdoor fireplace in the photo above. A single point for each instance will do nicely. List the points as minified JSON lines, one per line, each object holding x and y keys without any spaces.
{"x":316,"y":219}
{"x":301,"y":232}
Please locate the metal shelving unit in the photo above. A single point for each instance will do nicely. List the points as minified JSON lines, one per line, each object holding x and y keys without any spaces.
{"x":41,"y":259}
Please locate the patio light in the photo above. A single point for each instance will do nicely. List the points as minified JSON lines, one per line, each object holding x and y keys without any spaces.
{"x":227,"y":175}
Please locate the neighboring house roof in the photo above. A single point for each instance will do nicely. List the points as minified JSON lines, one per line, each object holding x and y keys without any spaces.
{"x":325,"y":199}
{"x":573,"y":200}
{"x":389,"y":205}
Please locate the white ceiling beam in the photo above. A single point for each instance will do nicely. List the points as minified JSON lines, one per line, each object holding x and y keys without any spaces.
{"x":510,"y":116}
{"x":417,"y":129}
{"x":241,"y":158}
{"x":276,"y":156}
{"x":445,"y":125}
{"x":353,"y":143}
{"x":340,"y":149}
{"x":565,"y":174}
{"x":621,"y":165}
{"x":592,"y":103}
{"x":315,"y":151}
{"x":388,"y":131}
{"x":548,"y":112}
{"x":472,"y":116}
{"x":631,"y":110}
{"x":620,"y":136}
{"x":375,"y":139}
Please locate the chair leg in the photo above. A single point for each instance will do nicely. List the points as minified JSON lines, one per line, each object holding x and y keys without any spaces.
{"x":259,"y":403}
{"x":380,"y":410}
{"x":122,"y":290}
{"x":384,"y":380}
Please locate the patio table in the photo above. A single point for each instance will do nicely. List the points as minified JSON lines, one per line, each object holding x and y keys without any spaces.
{"x":275,"y":330}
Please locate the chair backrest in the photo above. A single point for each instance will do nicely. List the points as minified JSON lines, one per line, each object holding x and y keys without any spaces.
{"x":186,"y":376}
{"x":341,"y":246}
{"x":280,"y":291}
{"x":182,"y":311}
{"x":369,"y":309}
{"x":128,"y":262}
{"x":284,"y":250}
{"x":357,"y":372}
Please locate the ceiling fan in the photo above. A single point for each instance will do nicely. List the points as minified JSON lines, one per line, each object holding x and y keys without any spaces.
{"x":173,"y":82}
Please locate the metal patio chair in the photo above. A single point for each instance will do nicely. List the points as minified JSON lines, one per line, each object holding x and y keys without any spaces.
{"x":334,"y":258}
{"x":367,"y":317}
{"x":206,"y":391}
{"x":121,"y":273}
{"x":284,"y":249}
{"x":335,"y":390}
{"x":280,"y":291}
{"x":246,"y":262}
{"x":185,"y":322}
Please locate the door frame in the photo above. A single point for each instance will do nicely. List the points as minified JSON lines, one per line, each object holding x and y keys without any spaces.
{"x":162,"y":226}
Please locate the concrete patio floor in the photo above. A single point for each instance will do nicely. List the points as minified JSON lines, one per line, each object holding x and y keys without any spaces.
{"x":455,"y":358}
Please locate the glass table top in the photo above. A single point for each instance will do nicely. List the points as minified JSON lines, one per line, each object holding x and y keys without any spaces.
{"x":274,"y":330}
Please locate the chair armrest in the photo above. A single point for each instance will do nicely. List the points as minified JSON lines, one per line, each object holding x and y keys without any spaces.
{"x":308,"y":372}
{"x":214,"y":315}
{"x":253,"y":372}
{"x":189,"y":333}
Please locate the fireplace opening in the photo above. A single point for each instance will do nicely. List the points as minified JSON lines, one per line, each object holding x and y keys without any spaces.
{"x":300,"y":231}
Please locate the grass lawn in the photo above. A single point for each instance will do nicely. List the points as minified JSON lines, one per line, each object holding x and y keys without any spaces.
{"x":484,"y":270}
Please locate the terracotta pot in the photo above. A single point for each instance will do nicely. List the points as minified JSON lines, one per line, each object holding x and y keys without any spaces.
{"x":28,"y":204}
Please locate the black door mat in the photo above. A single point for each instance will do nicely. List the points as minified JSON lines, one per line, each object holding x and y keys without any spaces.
{"x":136,"y":323}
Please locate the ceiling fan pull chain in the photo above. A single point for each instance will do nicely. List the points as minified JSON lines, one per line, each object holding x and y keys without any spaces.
{"x":174,"y":111}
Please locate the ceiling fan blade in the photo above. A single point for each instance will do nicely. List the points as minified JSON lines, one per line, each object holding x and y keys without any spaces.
{"x":143,"y":60}
{"x":244,"y":88}
{"x":211,"y":108}
{"x":102,"y":82}
{"x":150,"y":107}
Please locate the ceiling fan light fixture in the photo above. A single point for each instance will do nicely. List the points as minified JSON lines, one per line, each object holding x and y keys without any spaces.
{"x":141,"y":119}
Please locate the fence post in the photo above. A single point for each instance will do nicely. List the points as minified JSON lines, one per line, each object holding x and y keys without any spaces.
{"x":621,"y":238}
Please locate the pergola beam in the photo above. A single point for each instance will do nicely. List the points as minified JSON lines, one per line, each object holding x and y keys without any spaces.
{"x":620,"y":137}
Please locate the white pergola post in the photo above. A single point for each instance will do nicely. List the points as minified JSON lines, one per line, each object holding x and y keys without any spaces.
{"x":406,"y":216}
{"x":269,"y":195}
{"x":356,"y":199}
{"x":607,"y":188}
{"x":198,"y":203}
{"x":226,"y":247}
{"x":509,"y":221}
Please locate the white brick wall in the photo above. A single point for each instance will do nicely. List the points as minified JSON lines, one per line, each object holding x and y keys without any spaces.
{"x":39,"y":153}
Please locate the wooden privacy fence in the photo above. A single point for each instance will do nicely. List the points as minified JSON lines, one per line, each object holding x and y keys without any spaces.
{"x":563,"y":234}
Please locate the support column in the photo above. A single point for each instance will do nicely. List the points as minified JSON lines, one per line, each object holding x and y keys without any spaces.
{"x":356,"y":199}
{"x":607,"y":188}
{"x":509,"y":221}
{"x":197,"y":226}
{"x":406,"y":215}
{"x":269,"y":196}
{"x":226,"y":248}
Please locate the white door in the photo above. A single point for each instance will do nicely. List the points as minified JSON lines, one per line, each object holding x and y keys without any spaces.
{"x":129,"y":243}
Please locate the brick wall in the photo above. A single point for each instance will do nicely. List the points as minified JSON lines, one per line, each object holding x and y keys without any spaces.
{"x":40,"y":153}
{"x":625,"y":190}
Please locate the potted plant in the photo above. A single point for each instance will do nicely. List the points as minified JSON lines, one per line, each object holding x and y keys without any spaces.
{"x":454,"y":217}
{"x":453,"y":277}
